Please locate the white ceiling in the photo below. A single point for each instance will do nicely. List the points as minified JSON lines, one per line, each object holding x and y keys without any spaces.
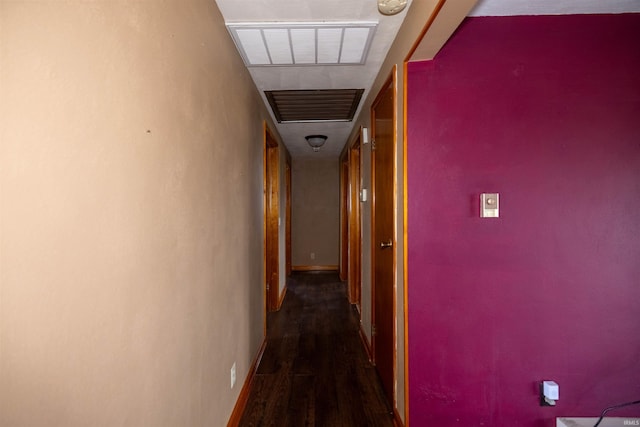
{"x":362,"y":76}
{"x":320,"y":76}
{"x":553,"y":7}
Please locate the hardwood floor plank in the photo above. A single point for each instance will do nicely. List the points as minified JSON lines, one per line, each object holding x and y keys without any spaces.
{"x":314,"y":371}
{"x":302,"y":401}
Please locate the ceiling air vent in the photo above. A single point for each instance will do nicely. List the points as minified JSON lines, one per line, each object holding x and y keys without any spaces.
{"x":335,"y":105}
{"x":302,"y":43}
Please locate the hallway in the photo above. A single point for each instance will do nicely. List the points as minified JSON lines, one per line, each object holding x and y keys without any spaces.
{"x":314,"y":371}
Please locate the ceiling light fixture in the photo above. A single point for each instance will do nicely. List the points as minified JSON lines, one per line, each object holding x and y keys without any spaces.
{"x":391,"y":7}
{"x":316,"y":141}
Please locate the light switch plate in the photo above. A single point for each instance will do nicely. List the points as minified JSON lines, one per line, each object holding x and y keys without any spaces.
{"x":551,"y":390}
{"x":489,"y":205}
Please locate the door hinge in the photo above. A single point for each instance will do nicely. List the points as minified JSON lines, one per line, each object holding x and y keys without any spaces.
{"x":373,"y":330}
{"x":373,"y":145}
{"x":267,"y":286}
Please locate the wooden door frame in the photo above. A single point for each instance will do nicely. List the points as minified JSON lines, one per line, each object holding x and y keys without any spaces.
{"x":355,"y":218}
{"x":344,"y":217}
{"x":351,"y":219}
{"x":392,"y":82}
{"x":287,"y":177}
{"x":271,"y":203}
{"x":405,"y":265}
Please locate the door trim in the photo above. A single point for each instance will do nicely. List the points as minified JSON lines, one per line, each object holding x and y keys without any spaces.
{"x":351,"y":219}
{"x":355,"y":221}
{"x":344,"y":218}
{"x":390,"y":81}
{"x":271,"y":203}
{"x":287,"y":177}
{"x":405,"y":232}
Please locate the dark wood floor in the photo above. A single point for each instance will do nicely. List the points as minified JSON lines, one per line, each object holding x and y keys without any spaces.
{"x":314,"y":371}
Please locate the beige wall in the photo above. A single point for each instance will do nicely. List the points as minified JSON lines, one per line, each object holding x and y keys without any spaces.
{"x":418,"y":15}
{"x":315,"y":212}
{"x":131,"y":214}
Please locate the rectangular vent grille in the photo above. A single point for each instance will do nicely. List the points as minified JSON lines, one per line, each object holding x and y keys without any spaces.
{"x":336,"y":105}
{"x":297,"y":44}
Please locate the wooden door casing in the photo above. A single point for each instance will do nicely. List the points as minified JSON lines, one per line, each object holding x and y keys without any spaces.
{"x":383,"y":237}
{"x":344,"y":218}
{"x":271,"y":215}
{"x":354,"y":233}
{"x":287,"y":177}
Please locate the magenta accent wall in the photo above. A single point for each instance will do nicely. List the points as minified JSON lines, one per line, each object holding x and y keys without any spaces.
{"x":545,"y":111}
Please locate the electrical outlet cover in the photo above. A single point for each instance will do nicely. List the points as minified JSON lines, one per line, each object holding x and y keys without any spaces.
{"x":233,"y":375}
